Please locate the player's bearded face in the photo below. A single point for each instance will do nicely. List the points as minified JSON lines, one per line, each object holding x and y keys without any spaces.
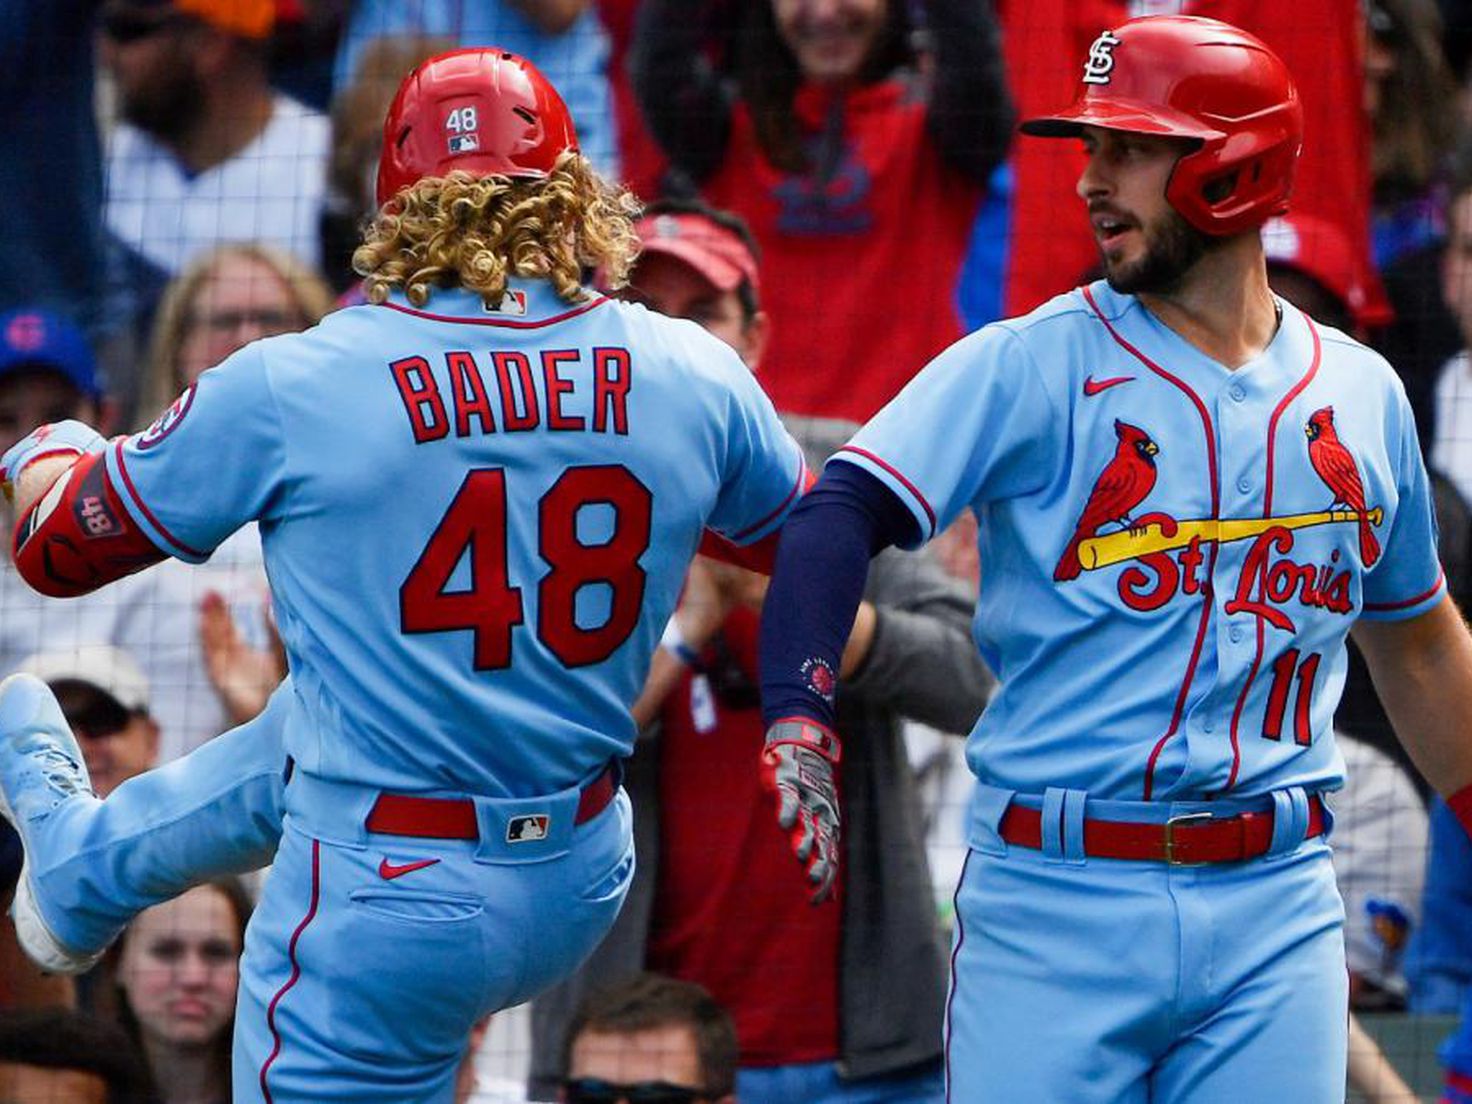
{"x":1171,"y":246}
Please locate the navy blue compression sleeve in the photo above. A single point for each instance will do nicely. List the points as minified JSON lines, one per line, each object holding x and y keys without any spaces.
{"x":822,"y":564}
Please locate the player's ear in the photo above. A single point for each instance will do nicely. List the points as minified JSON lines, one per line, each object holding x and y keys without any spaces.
{"x":754,"y":339}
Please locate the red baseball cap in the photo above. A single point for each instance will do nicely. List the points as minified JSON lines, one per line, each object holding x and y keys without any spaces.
{"x":1320,"y":250}
{"x":716,"y":253}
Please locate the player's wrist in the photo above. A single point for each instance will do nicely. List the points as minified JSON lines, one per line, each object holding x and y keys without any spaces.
{"x":59,"y":439}
{"x":805,"y":732}
{"x":674,"y":642}
{"x":1461,"y":806}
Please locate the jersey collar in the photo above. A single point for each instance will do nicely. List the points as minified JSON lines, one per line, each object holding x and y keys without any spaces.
{"x":527,"y":305}
{"x":1286,"y":356}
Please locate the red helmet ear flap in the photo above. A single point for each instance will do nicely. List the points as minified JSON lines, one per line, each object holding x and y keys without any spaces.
{"x":482,"y":111}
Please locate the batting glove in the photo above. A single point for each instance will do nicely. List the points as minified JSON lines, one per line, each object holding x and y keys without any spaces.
{"x":68,"y":438}
{"x":797,"y":765}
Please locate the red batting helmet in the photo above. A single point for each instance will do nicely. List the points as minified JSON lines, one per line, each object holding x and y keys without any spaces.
{"x":484,"y":111}
{"x":1196,"y":78}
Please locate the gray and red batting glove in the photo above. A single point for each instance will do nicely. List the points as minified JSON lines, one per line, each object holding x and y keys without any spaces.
{"x":68,"y":438}
{"x":797,"y":765}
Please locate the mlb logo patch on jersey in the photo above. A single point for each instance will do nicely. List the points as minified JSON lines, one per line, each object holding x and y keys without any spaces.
{"x":528,"y":828}
{"x":513,"y":302}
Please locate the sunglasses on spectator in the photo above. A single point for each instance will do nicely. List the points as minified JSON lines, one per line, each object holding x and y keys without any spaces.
{"x":590,"y":1090}
{"x":124,"y":26}
{"x":228,"y":321}
{"x":92,"y":715}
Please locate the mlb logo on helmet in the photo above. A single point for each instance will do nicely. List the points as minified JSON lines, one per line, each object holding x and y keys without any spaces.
{"x":528,"y":828}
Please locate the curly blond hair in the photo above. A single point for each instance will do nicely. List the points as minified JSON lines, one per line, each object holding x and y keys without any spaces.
{"x":477,"y":232}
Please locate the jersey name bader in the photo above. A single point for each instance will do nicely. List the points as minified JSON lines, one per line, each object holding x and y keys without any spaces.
{"x":503,"y":391}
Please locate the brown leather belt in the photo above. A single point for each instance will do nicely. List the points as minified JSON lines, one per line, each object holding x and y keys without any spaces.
{"x":1193,"y":839}
{"x":454,"y":817}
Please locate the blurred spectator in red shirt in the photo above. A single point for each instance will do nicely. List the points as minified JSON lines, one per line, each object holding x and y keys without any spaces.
{"x":858,"y":161}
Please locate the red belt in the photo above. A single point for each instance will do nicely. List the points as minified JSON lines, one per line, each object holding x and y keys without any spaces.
{"x":1192,"y":839}
{"x":454,"y":817}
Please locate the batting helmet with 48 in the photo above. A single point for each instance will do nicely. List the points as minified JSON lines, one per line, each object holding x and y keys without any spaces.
{"x":483,"y":111}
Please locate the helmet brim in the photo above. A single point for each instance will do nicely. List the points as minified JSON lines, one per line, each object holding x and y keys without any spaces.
{"x":1125,"y":115}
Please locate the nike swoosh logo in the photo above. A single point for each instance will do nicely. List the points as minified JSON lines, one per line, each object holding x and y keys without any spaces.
{"x":1093,"y":387}
{"x":389,"y":871}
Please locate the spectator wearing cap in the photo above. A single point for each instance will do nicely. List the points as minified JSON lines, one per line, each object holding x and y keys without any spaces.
{"x":683,"y":240}
{"x":714,"y":880}
{"x":47,"y":373}
{"x":206,"y":151}
{"x":104,"y":697}
{"x":1311,"y":264}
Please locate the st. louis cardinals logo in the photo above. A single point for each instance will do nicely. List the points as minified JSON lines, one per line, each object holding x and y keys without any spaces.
{"x":1100,"y":62}
{"x":168,"y":421}
{"x":1336,"y":468}
{"x":1123,"y":484}
{"x":1167,"y":555}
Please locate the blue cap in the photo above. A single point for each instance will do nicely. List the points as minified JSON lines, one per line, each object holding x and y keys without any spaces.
{"x":40,"y":338}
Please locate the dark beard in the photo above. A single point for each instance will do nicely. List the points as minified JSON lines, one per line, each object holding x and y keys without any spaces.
{"x":1175,"y":248}
{"x":169,"y":108}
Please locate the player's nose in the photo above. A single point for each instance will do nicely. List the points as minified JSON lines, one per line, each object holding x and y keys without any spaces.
{"x":1092,"y":181}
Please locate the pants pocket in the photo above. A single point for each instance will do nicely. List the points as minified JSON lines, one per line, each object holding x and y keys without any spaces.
{"x":408,"y":974}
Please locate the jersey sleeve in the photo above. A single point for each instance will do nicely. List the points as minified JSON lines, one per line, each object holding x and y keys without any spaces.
{"x":1407,"y":580}
{"x":764,"y":471}
{"x":210,"y":463}
{"x":977,"y":424}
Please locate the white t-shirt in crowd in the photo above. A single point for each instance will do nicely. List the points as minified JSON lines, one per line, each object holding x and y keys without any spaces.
{"x":1451,"y":450}
{"x":1380,"y":840}
{"x":272,"y":191}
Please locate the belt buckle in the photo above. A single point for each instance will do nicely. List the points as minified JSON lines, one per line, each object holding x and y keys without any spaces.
{"x":1170,"y":837}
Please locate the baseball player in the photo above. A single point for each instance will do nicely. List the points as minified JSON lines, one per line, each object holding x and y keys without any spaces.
{"x":1188,"y":492}
{"x":478,"y":496}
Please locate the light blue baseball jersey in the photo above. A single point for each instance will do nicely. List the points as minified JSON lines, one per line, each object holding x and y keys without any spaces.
{"x":476,"y":524}
{"x":1171,"y":552}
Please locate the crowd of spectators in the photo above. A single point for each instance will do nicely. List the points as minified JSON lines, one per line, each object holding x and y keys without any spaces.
{"x":831,"y":187}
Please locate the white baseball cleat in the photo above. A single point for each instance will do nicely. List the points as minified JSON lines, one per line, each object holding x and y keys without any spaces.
{"x":41,"y":766}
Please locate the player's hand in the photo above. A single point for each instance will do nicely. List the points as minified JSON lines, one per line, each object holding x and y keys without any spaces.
{"x":54,"y":439}
{"x":797,"y":765}
{"x":705,"y":602}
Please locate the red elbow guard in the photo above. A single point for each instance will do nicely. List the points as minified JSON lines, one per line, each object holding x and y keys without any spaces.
{"x":76,"y":537}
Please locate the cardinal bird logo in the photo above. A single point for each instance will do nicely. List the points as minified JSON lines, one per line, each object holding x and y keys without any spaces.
{"x":1336,"y":467}
{"x":1122,"y":485}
